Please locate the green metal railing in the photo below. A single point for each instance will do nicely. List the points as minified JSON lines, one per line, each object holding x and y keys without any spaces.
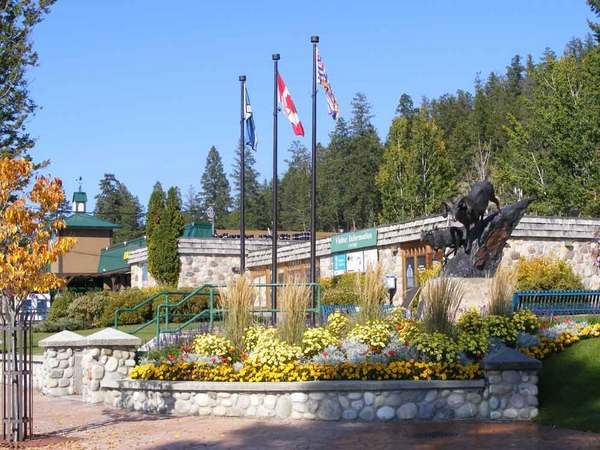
{"x":213,"y":312}
{"x":166,"y":311}
{"x":166,"y":299}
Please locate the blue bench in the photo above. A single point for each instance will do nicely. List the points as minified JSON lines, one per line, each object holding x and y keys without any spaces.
{"x":550,"y":303}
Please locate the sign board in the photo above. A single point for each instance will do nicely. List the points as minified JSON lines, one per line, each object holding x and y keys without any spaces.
{"x":369,"y":259}
{"x":338,"y":263}
{"x":354,"y":240}
{"x":354,"y":262}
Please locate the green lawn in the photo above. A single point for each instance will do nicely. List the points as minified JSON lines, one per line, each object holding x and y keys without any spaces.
{"x":145,"y":335}
{"x":569,"y":385}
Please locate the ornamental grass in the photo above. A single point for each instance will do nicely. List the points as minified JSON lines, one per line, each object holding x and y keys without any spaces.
{"x":237,"y":300}
{"x":371,"y":294}
{"x":442,"y":297}
{"x":502,"y":286}
{"x":295,"y":299}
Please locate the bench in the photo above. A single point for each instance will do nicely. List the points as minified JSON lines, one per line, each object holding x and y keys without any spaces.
{"x":550,"y":303}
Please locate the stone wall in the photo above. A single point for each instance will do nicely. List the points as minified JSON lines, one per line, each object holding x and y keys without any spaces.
{"x":61,"y":368}
{"x":104,"y":363}
{"x":508,"y":390}
{"x":577,"y":253}
{"x":57,"y":371}
{"x":507,"y":398}
{"x":203,"y":260}
{"x":73,"y":364}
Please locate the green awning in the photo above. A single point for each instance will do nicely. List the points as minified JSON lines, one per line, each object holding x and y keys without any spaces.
{"x":114,"y":258}
{"x":84,"y":220}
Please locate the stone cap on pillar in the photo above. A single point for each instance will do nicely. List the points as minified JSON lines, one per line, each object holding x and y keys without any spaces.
{"x":109,"y":337}
{"x":63,"y":339}
{"x":508,"y":358}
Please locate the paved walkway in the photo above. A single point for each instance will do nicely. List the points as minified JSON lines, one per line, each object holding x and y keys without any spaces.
{"x":70,"y":424}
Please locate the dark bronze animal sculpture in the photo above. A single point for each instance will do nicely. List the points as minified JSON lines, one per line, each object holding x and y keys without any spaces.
{"x":470,"y":209}
{"x":447,"y":238}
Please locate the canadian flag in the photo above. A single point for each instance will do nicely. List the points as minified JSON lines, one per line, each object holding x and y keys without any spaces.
{"x":288,"y":107}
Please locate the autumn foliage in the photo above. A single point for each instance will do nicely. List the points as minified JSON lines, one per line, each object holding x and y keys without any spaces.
{"x":29,"y":227}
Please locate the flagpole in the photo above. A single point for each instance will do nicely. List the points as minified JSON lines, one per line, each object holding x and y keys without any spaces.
{"x":242,"y":177}
{"x":313,"y":182}
{"x":274,"y":233}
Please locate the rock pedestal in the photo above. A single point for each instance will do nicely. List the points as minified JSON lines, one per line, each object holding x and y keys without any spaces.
{"x":61,"y":369}
{"x":108,"y":356}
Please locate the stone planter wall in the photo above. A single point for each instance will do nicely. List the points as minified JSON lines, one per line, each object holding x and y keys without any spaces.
{"x":508,"y":390}
{"x":104,"y":364}
{"x":334,"y":400}
{"x":73,"y":364}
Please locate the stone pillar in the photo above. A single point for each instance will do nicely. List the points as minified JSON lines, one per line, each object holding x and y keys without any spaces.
{"x":511,"y":387}
{"x":58,"y":374}
{"x":108,"y":356}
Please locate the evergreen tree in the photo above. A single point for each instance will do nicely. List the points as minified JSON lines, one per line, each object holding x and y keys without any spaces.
{"x":193,"y":210}
{"x":155,"y":206}
{"x":116,"y":204}
{"x":264,"y":204}
{"x":553,"y":153}
{"x":215,"y":187}
{"x":413,"y":177}
{"x":254,"y":211}
{"x":17,"y":21}
{"x":295,"y":190}
{"x":595,"y":26}
{"x":406,"y":107}
{"x":360,"y":203}
{"x":163,"y":260}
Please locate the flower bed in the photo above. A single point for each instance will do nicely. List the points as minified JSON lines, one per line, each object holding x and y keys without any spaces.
{"x":390,"y":349}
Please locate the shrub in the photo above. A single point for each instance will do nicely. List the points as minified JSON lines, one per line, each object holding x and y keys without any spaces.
{"x":338,"y":323}
{"x":442,"y":297}
{"x":526,"y":322}
{"x":502,"y":287}
{"x":317,"y":339}
{"x":503,"y":328}
{"x":237,"y":300}
{"x":274,"y":352}
{"x":54,"y":326}
{"x":545,"y":273}
{"x":60,"y":305}
{"x":473,"y":344}
{"x":255,"y":333}
{"x":375,"y":334}
{"x":371,"y":293}
{"x":127,"y":298}
{"x":295,"y":299}
{"x":180,"y":313}
{"x":471,"y":322}
{"x":208,"y":344}
{"x":435,"y":347}
{"x":87,"y":308}
{"x":340,"y":289}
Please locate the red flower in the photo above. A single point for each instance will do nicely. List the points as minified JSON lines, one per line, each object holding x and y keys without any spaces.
{"x":392,"y":353}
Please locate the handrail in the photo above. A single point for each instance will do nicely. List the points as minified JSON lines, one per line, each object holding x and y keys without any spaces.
{"x":123,"y":309}
{"x":212,"y":311}
{"x":168,"y":306}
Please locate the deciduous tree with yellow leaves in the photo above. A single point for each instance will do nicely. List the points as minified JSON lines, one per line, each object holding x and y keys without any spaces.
{"x":29,"y":243}
{"x":29,"y":229}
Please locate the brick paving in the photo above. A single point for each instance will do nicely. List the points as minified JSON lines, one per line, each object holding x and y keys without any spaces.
{"x":70,"y":424}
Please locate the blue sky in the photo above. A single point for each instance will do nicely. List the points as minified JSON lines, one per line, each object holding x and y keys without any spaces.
{"x":142,"y":89}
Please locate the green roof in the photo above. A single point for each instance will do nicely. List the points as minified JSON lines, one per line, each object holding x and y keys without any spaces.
{"x":197,"y":230}
{"x":114,"y":258}
{"x":84,"y":220}
{"x":80,"y":197}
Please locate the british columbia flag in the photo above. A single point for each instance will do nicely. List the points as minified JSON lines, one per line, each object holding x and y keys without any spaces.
{"x":332,"y":104}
